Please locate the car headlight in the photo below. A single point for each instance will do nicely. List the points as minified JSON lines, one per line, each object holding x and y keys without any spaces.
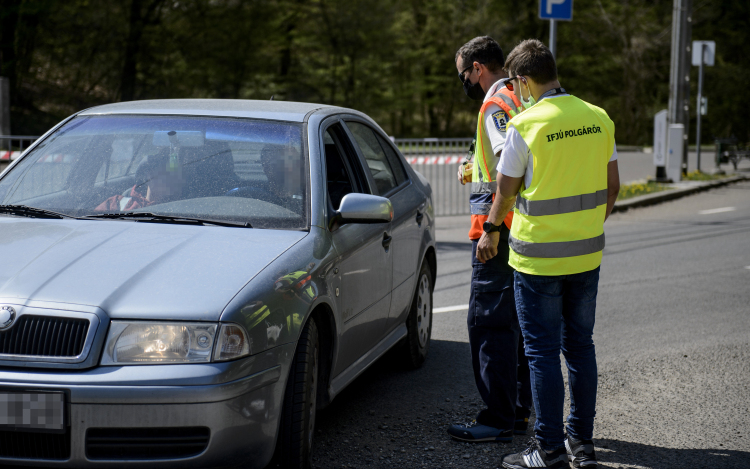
{"x":142,"y":342}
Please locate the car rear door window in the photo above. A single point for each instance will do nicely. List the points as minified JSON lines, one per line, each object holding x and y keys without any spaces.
{"x":386,"y":179}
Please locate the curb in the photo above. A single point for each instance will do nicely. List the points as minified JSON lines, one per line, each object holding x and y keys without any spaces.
{"x":664,"y":196}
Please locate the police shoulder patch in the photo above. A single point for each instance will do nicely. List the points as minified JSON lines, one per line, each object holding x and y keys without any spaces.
{"x":500,"y":119}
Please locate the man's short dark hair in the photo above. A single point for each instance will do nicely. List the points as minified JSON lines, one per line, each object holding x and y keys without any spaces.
{"x":482,"y":49}
{"x":531,"y":58}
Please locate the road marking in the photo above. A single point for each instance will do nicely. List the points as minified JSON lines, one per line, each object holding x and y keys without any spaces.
{"x":717,"y":210}
{"x":450,"y":309}
{"x":747,"y":267}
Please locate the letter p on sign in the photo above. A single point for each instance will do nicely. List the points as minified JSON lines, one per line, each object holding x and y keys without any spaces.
{"x":553,"y":2}
{"x":560,"y":10}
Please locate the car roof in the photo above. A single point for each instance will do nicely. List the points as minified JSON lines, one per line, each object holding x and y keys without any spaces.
{"x":272,"y":110}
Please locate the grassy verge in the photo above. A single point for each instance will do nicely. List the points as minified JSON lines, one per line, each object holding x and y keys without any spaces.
{"x":628,"y":191}
{"x":699,"y":176}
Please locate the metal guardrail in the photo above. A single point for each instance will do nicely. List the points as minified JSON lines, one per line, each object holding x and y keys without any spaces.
{"x":11,"y":147}
{"x":438,"y":160}
{"x":21,"y":142}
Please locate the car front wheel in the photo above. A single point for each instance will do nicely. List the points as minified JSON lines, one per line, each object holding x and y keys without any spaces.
{"x":419,"y":321}
{"x":294,"y":447}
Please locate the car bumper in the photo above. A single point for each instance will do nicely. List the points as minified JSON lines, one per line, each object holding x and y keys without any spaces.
{"x":240,"y":418}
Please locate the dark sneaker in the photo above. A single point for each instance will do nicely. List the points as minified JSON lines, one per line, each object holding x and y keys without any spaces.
{"x":581,"y":453}
{"x":535,"y":456}
{"x":474,"y":432}
{"x":521,"y":426}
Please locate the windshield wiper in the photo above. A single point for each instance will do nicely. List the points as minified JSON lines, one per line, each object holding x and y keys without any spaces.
{"x":156,"y":218}
{"x":31,"y":212}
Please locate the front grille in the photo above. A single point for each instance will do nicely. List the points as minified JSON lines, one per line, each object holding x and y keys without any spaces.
{"x":45,"y":336}
{"x":146,"y":443}
{"x":34,"y":445}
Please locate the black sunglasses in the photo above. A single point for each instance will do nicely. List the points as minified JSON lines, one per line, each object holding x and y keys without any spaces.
{"x":461,"y":75}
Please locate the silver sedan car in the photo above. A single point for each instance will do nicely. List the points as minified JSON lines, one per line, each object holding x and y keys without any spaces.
{"x":183,"y":283}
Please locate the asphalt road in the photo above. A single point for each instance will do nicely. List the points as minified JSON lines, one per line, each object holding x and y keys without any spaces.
{"x":673,"y":346}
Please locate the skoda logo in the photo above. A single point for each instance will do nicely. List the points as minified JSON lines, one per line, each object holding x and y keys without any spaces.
{"x":7,"y":317}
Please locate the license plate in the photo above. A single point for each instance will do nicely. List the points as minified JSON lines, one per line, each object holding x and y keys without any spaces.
{"x":32,"y":411}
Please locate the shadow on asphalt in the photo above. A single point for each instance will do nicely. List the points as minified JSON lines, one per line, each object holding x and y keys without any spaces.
{"x":613,"y":453}
{"x":350,"y":431}
{"x":448,"y":246}
{"x":389,"y":384}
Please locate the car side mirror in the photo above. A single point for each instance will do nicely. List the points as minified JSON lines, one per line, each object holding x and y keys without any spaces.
{"x":362,"y":208}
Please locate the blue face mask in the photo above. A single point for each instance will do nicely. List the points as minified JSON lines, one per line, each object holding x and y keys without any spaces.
{"x":527,"y":103}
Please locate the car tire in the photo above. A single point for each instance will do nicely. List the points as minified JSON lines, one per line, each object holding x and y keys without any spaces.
{"x":294,"y":446}
{"x":419,"y":322}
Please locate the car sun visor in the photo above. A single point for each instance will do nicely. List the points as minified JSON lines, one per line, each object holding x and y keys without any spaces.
{"x":182,"y":138}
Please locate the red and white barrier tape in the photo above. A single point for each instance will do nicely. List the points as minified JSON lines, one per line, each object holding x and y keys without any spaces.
{"x":434,"y":159}
{"x":51,"y":158}
{"x":9,"y":155}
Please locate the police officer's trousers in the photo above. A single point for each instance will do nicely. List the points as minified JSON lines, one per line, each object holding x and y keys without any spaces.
{"x":501,"y":370}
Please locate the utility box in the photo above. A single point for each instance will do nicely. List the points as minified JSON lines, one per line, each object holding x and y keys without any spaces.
{"x":675,"y":145}
{"x":4,"y":106}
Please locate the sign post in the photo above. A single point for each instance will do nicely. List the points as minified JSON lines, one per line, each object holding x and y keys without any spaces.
{"x":554,"y":11}
{"x":703,"y":54}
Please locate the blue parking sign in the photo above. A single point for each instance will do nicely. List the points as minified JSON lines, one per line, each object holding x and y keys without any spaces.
{"x":560,"y":10}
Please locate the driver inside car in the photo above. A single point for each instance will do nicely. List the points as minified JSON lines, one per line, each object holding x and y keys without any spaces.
{"x":281,"y":165}
{"x":158,"y":179}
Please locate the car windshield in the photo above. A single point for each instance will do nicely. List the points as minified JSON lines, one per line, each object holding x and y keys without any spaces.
{"x":252,"y":172}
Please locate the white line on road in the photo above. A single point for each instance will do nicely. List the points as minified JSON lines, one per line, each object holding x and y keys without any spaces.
{"x":717,"y":210}
{"x":747,"y":267}
{"x":450,"y":309}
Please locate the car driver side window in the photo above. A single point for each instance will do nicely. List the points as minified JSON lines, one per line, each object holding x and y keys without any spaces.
{"x":341,"y":174}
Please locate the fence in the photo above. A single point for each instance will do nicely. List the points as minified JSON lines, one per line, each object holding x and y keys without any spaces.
{"x":437,"y":160}
{"x":11,"y":147}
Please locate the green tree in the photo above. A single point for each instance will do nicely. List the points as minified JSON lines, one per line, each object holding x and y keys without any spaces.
{"x":392,"y":59}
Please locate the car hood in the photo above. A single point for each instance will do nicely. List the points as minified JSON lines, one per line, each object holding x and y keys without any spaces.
{"x":133,"y":270}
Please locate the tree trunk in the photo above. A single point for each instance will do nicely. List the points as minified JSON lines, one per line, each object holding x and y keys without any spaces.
{"x":130,"y":62}
{"x":138,"y":21}
{"x":9,"y":11}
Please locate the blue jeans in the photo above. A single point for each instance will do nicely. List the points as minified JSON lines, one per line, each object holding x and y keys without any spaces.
{"x":556,"y":313}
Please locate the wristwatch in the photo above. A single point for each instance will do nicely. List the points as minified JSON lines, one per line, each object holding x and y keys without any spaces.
{"x":488,"y":227}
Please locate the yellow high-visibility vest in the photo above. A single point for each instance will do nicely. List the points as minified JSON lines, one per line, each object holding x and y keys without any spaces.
{"x":558,"y":226}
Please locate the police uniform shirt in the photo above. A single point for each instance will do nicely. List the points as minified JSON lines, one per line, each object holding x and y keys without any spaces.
{"x":516,"y":161}
{"x":495,"y":120}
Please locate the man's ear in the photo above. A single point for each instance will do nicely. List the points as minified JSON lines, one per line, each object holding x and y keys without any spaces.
{"x":478,"y":66}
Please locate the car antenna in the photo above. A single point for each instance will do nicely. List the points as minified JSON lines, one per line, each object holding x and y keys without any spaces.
{"x":272,"y":97}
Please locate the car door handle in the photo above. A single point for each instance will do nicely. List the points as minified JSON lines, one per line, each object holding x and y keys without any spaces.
{"x":387,"y":241}
{"x":420,"y":217}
